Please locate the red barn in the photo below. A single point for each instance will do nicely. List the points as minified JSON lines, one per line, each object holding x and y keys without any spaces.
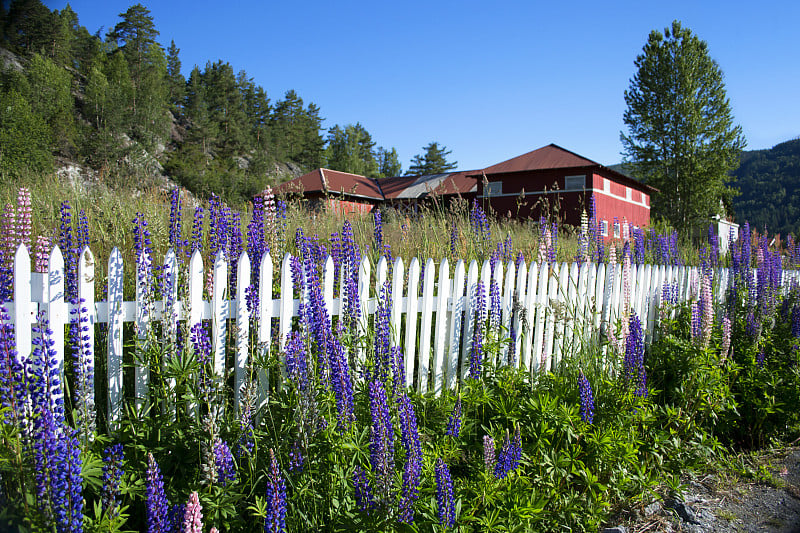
{"x":341,"y":192}
{"x":550,"y":181}
{"x":556,"y":182}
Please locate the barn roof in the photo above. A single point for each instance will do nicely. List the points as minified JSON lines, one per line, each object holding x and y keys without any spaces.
{"x":553,"y":156}
{"x":326,"y":181}
{"x":411,"y":187}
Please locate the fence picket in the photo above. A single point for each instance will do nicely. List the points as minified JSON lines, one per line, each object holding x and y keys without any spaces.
{"x":220,"y":313}
{"x":86,"y":301}
{"x":440,"y":333}
{"x":412,"y":302}
{"x":518,"y":302}
{"x":114,"y":358}
{"x":143,"y":308}
{"x":423,"y":362}
{"x":265,"y":312}
{"x":397,"y":301}
{"x":455,"y":328}
{"x":242,"y":328}
{"x":21,"y":316}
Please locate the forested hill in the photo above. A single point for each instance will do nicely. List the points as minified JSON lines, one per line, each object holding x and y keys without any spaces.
{"x":119,"y":104}
{"x":769,"y":181}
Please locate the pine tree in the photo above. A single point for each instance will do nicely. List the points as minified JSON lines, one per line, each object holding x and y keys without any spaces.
{"x":351,"y":150}
{"x":388,"y":163}
{"x":681,"y":137}
{"x":433,"y":161}
{"x":176,"y":83}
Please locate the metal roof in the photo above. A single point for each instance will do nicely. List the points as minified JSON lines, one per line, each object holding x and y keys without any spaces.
{"x":325,"y":181}
{"x":547,"y":157}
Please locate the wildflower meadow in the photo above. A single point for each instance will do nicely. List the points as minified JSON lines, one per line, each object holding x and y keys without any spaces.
{"x":335,"y":422}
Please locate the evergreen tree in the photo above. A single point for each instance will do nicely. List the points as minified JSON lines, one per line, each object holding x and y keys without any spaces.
{"x":29,"y":26}
{"x":176,"y":83}
{"x":351,"y":150}
{"x":64,"y":35}
{"x":295,"y":132}
{"x":433,"y":161}
{"x":681,"y":138}
{"x":388,"y":163}
{"x":50,"y":97}
{"x":25,"y":137}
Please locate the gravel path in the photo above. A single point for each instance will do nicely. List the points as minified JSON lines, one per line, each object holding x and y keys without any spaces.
{"x":714,"y":505}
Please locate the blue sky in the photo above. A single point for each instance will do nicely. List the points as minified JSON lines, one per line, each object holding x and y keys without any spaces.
{"x":490,"y":80}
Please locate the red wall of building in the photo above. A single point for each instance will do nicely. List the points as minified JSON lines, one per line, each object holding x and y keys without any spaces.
{"x":343,"y":207}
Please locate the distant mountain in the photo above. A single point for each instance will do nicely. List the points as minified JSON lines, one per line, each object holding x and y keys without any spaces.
{"x":769,"y":182}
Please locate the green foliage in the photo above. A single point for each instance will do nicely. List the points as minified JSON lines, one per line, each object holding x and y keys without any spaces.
{"x":769,"y":178}
{"x":25,"y":138}
{"x":351,"y":150}
{"x":681,"y":137}
{"x":388,"y":163}
{"x":433,"y":161}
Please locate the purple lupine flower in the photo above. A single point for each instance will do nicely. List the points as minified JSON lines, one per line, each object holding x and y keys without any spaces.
{"x":67,"y":244}
{"x":341,"y":382}
{"x":83,"y":367}
{"x":381,"y":443}
{"x":157,"y":504}
{"x":201,"y":344}
{"x":508,"y":459}
{"x":378,"y":230}
{"x":68,"y":484}
{"x":511,"y":354}
{"x":519,"y":260}
{"x":454,"y":422}
{"x":713,"y":240}
{"x":477,"y":348}
{"x":761,"y":358}
{"x":246,"y":441}
{"x":488,"y":453}
{"x":479,"y":223}
{"x":296,"y":458}
{"x":753,"y":327}
{"x":444,"y":495}
{"x":633,"y":364}
{"x":112,"y":475}
{"x":587,"y":399}
{"x":193,"y":515}
{"x":363,"y":493}
{"x":382,"y":359}
{"x":175,"y":518}
{"x":553,"y":242}
{"x":175,"y":207}
{"x":351,"y":263}
{"x":197,"y":232}
{"x":46,"y":392}
{"x":275,"y":521}
{"x":234,"y":250}
{"x":13,"y":392}
{"x":297,"y":360}
{"x":256,"y":248}
{"x":412,"y":473}
{"x":226,"y":469}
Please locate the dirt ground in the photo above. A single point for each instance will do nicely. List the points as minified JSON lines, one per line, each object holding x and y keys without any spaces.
{"x":719,"y":504}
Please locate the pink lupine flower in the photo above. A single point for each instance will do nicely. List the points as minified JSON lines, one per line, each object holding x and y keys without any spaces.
{"x":41,"y":255}
{"x":23,"y":234}
{"x":193,"y":516}
{"x":726,"y":336}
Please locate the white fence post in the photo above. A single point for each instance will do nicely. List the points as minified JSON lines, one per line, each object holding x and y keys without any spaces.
{"x":114,"y":358}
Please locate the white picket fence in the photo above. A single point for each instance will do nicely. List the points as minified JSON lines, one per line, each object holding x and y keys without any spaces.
{"x":553,"y":308}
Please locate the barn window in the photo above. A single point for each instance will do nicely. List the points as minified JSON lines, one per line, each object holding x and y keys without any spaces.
{"x":572,"y":183}
{"x":494,"y":188}
{"x":616,"y":230}
{"x":604,"y":228}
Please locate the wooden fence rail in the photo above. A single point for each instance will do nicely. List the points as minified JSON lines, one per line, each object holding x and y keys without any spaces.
{"x":553,"y":309}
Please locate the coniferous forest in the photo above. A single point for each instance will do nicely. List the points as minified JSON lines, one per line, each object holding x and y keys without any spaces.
{"x":119,"y":104}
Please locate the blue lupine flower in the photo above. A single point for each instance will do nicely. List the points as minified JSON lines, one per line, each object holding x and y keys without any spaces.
{"x":381,"y":443}
{"x":342,"y":383}
{"x":275,"y":521}
{"x":378,"y":230}
{"x":226,"y":469}
{"x":157,"y":506}
{"x":67,"y":245}
{"x":633,"y":364}
{"x":444,"y":495}
{"x":296,"y":360}
{"x":296,"y":457}
{"x":587,"y":399}
{"x":363,"y":493}
{"x":454,"y":422}
{"x":412,"y":473}
{"x":453,"y":240}
{"x":509,"y":457}
{"x":12,"y":386}
{"x":382,"y":359}
{"x":197,"y":232}
{"x":112,"y":475}
{"x":477,"y":348}
{"x":175,"y":207}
